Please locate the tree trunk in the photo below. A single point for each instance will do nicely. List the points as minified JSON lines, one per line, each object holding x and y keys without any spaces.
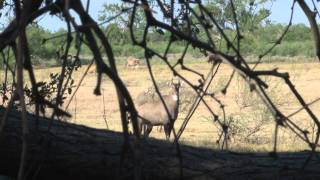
{"x":72,"y":151}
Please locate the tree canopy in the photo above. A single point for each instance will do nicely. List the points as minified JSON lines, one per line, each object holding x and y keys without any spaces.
{"x":225,"y":32}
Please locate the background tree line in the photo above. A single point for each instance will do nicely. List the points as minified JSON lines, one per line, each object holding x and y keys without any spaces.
{"x":297,"y":42}
{"x":210,"y":30}
{"x":258,"y":32}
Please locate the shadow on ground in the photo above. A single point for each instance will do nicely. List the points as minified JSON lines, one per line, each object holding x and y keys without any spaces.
{"x":72,"y":151}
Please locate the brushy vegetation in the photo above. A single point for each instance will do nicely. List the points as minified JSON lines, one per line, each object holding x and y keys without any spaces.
{"x":297,"y":42}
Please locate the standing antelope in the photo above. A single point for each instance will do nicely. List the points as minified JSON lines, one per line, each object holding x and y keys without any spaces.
{"x":155,"y":114}
{"x":144,"y":97}
{"x":132,"y":62}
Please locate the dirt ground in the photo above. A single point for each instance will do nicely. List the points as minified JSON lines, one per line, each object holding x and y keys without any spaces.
{"x":253,"y":126}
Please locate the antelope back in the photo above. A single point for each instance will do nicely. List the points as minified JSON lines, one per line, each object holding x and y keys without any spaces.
{"x":131,"y":61}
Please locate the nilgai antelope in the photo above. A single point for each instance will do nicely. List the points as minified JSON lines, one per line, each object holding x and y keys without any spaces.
{"x":92,"y":70}
{"x":144,"y":97}
{"x":155,"y":114}
{"x":133,"y":62}
{"x":214,"y":58}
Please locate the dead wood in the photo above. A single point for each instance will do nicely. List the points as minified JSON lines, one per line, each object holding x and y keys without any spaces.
{"x":73,"y":151}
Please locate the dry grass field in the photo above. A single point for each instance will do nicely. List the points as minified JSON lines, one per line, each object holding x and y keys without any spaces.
{"x":252,"y":125}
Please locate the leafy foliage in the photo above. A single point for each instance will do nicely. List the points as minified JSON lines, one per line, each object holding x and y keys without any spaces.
{"x":257,"y":31}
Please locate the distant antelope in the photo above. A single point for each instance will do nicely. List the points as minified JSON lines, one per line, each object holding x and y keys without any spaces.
{"x":92,"y":70}
{"x":155,"y":114}
{"x":214,"y":58}
{"x":132,"y":62}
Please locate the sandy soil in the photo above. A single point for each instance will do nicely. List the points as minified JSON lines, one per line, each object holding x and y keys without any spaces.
{"x":253,"y":125}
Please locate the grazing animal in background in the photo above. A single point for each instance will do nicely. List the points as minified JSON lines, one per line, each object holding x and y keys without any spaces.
{"x":92,"y":70}
{"x":214,"y":59}
{"x":155,"y":114}
{"x":133,"y":62}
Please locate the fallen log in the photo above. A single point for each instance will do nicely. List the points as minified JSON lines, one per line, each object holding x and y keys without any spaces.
{"x":71,"y":151}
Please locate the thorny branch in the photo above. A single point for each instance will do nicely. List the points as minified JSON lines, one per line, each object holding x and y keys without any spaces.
{"x":250,"y":76}
{"x":181,"y":24}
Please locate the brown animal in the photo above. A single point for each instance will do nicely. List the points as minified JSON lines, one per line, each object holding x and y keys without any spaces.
{"x":133,"y":62}
{"x":92,"y":70}
{"x":144,"y":97}
{"x":214,"y":59}
{"x":155,"y":114}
